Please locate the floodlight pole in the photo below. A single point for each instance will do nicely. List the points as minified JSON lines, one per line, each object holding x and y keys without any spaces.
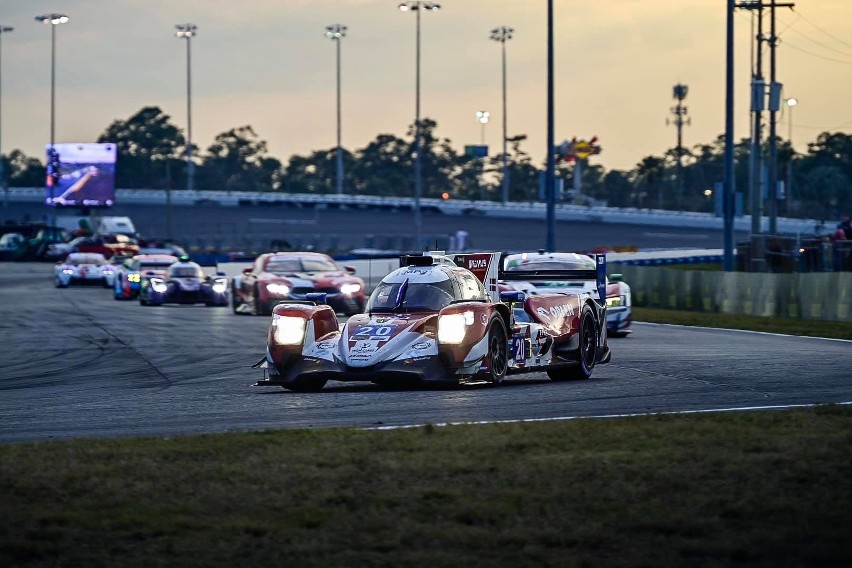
{"x":3,"y":29}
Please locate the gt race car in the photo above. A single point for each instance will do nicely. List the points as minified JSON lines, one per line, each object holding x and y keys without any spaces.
{"x":429,"y":322}
{"x":618,"y":300}
{"x":129,"y":274}
{"x":84,"y":268}
{"x":184,"y":283}
{"x":284,"y":276}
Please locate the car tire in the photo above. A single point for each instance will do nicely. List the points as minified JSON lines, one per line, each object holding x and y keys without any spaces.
{"x":59,"y":284}
{"x":306,"y":385}
{"x":498,"y":351}
{"x":234,"y":298}
{"x":258,"y":305}
{"x":587,"y":351}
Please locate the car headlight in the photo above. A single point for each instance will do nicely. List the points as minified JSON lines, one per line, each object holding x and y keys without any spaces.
{"x":134,"y":278}
{"x":158,"y":286}
{"x":278,"y":289}
{"x":67,"y":271}
{"x":219,"y":286}
{"x":452,"y":328}
{"x":107,"y":271}
{"x":289,"y":330}
{"x":613,"y":301}
{"x":350,"y":288}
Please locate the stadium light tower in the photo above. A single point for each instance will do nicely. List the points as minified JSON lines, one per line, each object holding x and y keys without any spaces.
{"x":418,"y":6}
{"x":3,"y":184}
{"x":504,"y":34}
{"x":337,"y":32}
{"x":53,"y":20}
{"x":187,"y":32}
{"x":482,"y":116}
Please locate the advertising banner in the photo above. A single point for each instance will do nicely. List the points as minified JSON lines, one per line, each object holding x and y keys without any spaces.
{"x":80,"y":175}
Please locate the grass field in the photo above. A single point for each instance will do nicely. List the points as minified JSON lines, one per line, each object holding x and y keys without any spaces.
{"x":750,"y":489}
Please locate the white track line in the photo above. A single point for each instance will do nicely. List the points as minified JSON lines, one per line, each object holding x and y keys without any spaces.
{"x":741,"y":331}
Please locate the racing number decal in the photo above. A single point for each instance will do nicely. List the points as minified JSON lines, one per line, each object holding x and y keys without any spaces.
{"x":374,"y":332}
{"x":518,"y":351}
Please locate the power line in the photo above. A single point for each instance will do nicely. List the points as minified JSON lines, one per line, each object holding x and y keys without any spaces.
{"x":829,"y":34}
{"x":816,"y":54}
{"x":819,"y":43}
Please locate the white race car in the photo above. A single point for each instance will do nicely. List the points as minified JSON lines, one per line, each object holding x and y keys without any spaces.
{"x":84,"y":268}
{"x":618,"y":301}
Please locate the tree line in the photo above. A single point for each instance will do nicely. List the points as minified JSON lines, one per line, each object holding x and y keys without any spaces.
{"x":151,"y":152}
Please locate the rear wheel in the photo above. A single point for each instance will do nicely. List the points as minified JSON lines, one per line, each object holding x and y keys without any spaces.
{"x":586,"y":351}
{"x":258,"y":305}
{"x":234,"y":300}
{"x":498,"y":358}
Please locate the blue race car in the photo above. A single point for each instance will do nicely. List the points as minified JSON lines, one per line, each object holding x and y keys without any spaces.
{"x":184,"y":283}
{"x":128,"y":279}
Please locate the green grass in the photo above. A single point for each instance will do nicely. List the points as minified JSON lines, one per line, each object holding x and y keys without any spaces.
{"x":790,"y":326}
{"x":728,"y":489}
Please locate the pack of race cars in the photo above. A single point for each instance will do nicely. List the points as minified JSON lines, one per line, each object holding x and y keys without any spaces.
{"x":460,"y":319}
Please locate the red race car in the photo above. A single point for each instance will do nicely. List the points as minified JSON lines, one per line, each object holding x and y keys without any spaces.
{"x":279,"y":276}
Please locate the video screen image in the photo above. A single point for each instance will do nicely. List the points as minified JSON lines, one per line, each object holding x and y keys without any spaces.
{"x":80,"y":175}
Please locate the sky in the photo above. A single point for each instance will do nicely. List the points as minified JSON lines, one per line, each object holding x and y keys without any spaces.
{"x":268,"y":64}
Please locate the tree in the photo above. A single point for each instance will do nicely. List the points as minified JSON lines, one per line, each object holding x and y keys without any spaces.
{"x":237,"y":161}
{"x":23,"y":171}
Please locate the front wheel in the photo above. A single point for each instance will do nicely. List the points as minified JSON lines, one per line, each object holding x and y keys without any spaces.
{"x":586,"y":352}
{"x":258,"y":305}
{"x":498,"y":358}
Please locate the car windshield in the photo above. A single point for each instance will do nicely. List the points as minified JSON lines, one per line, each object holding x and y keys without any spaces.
{"x":87,"y":259}
{"x":318,"y":265}
{"x":154,"y":265}
{"x":421,"y":296}
{"x":186,"y":271}
{"x":283,"y":265}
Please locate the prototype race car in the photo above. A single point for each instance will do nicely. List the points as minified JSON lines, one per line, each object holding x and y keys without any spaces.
{"x":618,"y":301}
{"x":430,"y":322}
{"x":84,"y":268}
{"x":184,"y":283}
{"x":279,"y":276}
{"x":129,"y":274}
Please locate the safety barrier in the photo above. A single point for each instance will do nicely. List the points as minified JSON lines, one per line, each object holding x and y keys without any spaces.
{"x":815,"y":295}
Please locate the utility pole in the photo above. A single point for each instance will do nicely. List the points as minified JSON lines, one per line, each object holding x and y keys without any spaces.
{"x":758,"y":98}
{"x":774,"y":107}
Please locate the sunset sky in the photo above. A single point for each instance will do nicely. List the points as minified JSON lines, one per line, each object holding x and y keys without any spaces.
{"x":268,"y":64}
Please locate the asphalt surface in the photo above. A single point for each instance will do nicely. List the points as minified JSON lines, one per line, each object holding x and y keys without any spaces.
{"x":257,"y":227}
{"x":76,"y":363}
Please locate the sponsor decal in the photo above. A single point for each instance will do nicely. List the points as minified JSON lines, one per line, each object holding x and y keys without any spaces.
{"x":323,"y":345}
{"x":560,"y":311}
{"x":422,"y":345}
{"x":477,"y":264}
{"x":484,"y":318}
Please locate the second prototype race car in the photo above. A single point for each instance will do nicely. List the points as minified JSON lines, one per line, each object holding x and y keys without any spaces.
{"x":129,"y":274}
{"x":429,"y":321}
{"x":281,"y":276}
{"x":184,"y":283}
{"x":618,"y":300}
{"x":84,"y":268}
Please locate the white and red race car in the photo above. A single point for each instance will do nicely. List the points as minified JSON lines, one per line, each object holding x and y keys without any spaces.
{"x":618,"y":300}
{"x":84,"y":268}
{"x":430,"y":321}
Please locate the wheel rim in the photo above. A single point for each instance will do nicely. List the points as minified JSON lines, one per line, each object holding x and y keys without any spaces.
{"x":497,"y":355}
{"x":588,"y":347}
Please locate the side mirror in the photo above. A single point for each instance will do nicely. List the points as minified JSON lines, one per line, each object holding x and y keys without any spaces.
{"x":349,"y":268}
{"x":247,"y":270}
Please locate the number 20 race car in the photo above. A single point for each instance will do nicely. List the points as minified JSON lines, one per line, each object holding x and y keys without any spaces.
{"x":433,"y":321}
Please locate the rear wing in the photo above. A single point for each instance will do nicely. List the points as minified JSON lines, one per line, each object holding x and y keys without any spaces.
{"x":598,"y":274}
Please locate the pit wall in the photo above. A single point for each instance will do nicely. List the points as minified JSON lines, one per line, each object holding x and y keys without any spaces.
{"x":817,"y":295}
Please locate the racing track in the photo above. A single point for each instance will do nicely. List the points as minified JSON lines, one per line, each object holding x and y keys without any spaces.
{"x":76,"y":363}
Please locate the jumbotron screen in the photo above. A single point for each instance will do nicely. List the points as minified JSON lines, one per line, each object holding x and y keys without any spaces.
{"x":80,"y":175}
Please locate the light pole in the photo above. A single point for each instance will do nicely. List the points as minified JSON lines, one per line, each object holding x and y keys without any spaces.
{"x":3,"y":30}
{"x":483,"y":116}
{"x":503,"y":34}
{"x":54,"y":20}
{"x":187,"y":32}
{"x":417,"y":6}
{"x":336,"y":32}
{"x":791,"y":102}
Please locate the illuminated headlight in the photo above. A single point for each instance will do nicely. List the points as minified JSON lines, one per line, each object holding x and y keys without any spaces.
{"x":107,"y":271}
{"x":350,"y":288}
{"x":289,"y":330}
{"x":158,"y":286}
{"x":613,"y":301}
{"x":219,"y":286}
{"x":67,"y":271}
{"x":134,"y":278}
{"x":278,"y":289}
{"x":452,"y":328}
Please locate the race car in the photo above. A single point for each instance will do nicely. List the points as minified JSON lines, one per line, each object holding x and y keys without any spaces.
{"x":129,"y":274}
{"x":428,"y":322}
{"x":84,"y":268}
{"x":618,"y":300}
{"x":184,"y":283}
{"x":279,"y":276}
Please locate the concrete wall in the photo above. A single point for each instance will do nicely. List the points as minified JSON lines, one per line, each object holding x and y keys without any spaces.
{"x":818,"y":295}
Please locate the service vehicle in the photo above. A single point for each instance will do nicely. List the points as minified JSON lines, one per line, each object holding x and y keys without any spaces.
{"x":430,"y":322}
{"x":618,"y":297}
{"x":185,"y":282}
{"x":130,"y":273}
{"x":84,"y":268}
{"x":280,"y":276}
